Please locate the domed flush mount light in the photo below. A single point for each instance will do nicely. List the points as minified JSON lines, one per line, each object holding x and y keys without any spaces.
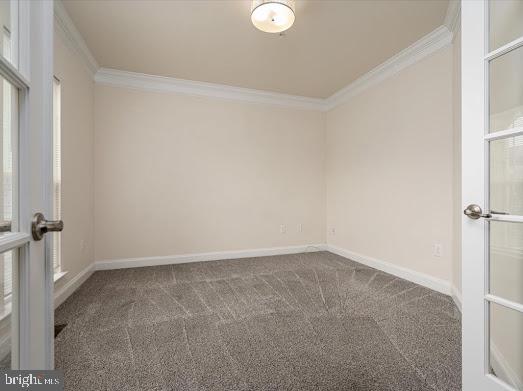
{"x":272,"y":16}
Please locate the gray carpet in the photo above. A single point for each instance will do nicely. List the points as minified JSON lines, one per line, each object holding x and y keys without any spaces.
{"x":312,"y":321}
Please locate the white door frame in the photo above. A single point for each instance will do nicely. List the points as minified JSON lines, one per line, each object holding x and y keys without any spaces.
{"x":39,"y":187}
{"x":32,"y":310}
{"x":475,"y":174}
{"x":473,"y":42}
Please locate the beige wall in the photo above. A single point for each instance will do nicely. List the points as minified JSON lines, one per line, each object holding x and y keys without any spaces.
{"x":177,"y":174}
{"x":385,"y":156}
{"x":77,"y":91}
{"x":390,"y":169}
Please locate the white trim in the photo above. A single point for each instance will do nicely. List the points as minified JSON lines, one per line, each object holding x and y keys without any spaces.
{"x":506,"y":218}
{"x":456,"y":296}
{"x":142,"y":81}
{"x":437,"y":39}
{"x":517,"y":131}
{"x":453,"y":17}
{"x":408,"y":274}
{"x":73,"y":36}
{"x":199,"y":257}
{"x":425,"y":280}
{"x":502,"y":367}
{"x":504,"y":302}
{"x":505,"y":49}
{"x":58,"y":276}
{"x":430,"y":43}
{"x":67,"y":290}
{"x":10,"y":241}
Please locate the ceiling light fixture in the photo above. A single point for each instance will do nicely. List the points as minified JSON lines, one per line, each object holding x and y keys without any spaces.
{"x":272,"y":16}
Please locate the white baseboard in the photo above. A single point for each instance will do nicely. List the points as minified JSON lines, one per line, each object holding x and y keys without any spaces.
{"x":67,"y":290}
{"x":408,"y":274}
{"x":425,"y":280}
{"x":456,"y":296}
{"x":199,"y":257}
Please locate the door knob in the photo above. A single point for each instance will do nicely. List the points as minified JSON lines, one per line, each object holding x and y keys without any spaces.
{"x":474,"y":212}
{"x":40,"y":226}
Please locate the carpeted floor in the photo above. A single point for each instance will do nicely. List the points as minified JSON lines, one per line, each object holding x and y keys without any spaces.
{"x":312,"y":321}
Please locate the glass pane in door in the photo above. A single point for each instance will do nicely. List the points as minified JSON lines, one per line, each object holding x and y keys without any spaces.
{"x":505,"y":18}
{"x":8,"y":302}
{"x":506,"y":175}
{"x":506,"y":90}
{"x":9,"y":145}
{"x":506,"y":345}
{"x":506,"y":261}
{"x":9,"y":30}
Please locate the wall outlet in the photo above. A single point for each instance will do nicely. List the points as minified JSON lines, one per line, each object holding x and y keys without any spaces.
{"x":332,"y":231}
{"x":283,"y":229}
{"x":436,"y":250}
{"x":299,"y":228}
{"x":82,"y":245}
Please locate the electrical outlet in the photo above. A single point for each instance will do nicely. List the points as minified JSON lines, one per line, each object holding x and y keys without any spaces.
{"x":436,"y":250}
{"x":333,"y":231}
{"x":82,"y":245}
{"x":283,"y":229}
{"x":299,"y":228}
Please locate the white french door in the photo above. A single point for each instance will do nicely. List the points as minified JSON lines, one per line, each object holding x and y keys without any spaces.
{"x":26,"y":77}
{"x":492,"y":164}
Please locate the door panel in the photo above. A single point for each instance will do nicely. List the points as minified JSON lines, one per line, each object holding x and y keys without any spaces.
{"x":492,"y":160}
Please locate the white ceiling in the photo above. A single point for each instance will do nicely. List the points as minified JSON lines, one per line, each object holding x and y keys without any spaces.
{"x":331,"y":44}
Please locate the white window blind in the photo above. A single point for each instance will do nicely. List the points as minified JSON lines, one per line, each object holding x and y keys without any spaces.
{"x":57,"y":173}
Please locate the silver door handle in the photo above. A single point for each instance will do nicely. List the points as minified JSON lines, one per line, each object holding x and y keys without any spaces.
{"x":40,"y":226}
{"x":474,"y":212}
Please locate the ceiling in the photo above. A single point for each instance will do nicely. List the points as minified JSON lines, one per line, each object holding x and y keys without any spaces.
{"x":331,"y":44}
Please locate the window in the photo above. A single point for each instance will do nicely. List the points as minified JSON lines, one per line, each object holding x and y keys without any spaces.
{"x":57,"y":174}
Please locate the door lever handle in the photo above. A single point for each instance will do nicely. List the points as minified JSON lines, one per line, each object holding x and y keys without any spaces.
{"x":40,"y":226}
{"x":474,"y":212}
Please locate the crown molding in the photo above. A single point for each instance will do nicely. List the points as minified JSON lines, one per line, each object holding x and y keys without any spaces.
{"x":73,"y":37}
{"x":420,"y":49}
{"x":453,"y":17}
{"x":437,"y":39}
{"x":142,"y":81}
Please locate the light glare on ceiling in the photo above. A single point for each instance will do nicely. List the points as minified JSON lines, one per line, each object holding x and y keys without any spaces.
{"x":272,"y":16}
